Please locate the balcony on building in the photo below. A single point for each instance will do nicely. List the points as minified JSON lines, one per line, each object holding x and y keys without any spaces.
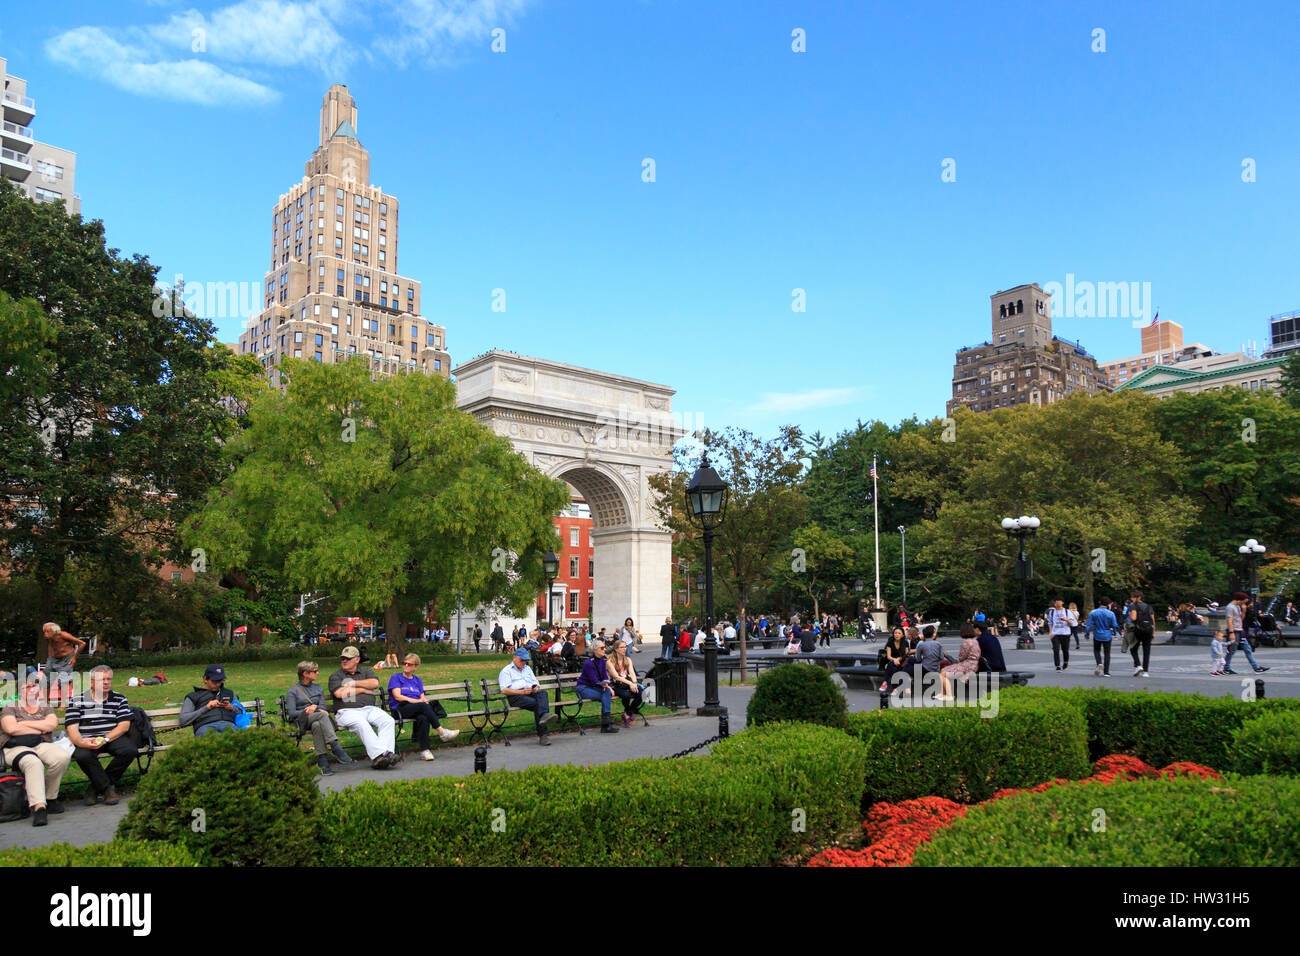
{"x":16,"y":136}
{"x":19,"y":109}
{"x":15,"y":165}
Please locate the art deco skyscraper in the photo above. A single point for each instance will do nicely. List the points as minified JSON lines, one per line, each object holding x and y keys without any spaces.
{"x":333,"y":290}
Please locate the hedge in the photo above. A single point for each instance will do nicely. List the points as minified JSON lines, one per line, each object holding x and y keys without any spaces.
{"x":234,"y":799}
{"x":955,"y":753}
{"x":1269,"y":743}
{"x":797,"y":692}
{"x":737,"y":806}
{"x":117,"y":853}
{"x":1158,"y":728}
{"x":1239,"y":821}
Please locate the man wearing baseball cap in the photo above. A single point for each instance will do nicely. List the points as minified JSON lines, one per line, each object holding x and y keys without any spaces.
{"x":520,"y":686}
{"x":211,"y":708}
{"x":353,"y":694}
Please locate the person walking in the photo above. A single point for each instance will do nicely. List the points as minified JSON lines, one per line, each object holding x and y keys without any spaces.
{"x":1237,"y":639}
{"x":1058,"y":619}
{"x":1076,"y":626}
{"x":1101,"y":628}
{"x":1143,"y":623}
{"x":478,"y":637}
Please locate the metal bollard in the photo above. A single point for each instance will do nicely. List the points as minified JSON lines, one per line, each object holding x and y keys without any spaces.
{"x":480,"y":760}
{"x":724,"y":727}
{"x":1259,"y":689}
{"x":884,"y":695}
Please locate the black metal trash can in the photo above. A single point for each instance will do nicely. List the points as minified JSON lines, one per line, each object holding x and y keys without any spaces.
{"x":670,"y":682}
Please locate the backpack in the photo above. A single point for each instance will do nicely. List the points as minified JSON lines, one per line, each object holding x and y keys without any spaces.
{"x":13,"y":798}
{"x":1145,"y":625}
{"x":141,"y":731}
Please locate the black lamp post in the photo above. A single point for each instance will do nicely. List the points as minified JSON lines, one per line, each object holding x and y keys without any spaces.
{"x":551,"y":567}
{"x":902,"y":533}
{"x":1021,"y":528}
{"x":706,"y":499}
{"x":1253,"y":551}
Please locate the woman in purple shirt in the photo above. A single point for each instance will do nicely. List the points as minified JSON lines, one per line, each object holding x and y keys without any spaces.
{"x":406,"y":697}
{"x":593,"y":684}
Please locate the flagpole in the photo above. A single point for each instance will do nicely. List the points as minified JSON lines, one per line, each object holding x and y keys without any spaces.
{"x":875,"y":503}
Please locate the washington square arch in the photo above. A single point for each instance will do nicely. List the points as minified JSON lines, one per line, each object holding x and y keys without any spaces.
{"x":604,"y":434}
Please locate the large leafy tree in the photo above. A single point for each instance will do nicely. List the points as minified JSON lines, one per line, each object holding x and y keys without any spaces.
{"x":764,"y":507}
{"x":1290,"y":384}
{"x":380,"y":493}
{"x":1092,"y":469}
{"x":113,"y":412}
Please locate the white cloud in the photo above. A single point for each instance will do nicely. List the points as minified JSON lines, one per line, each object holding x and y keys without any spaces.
{"x":431,"y":29}
{"x":269,"y":32}
{"x":782,"y":402}
{"x":131,"y":68}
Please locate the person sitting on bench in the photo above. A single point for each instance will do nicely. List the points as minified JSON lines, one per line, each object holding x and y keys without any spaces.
{"x":354,"y":709}
{"x":898,"y":656}
{"x":594,"y":684}
{"x":520,"y":686}
{"x":212,"y":707}
{"x":305,"y":705}
{"x":990,"y":647}
{"x":28,"y":728}
{"x":97,"y":723}
{"x":407,"y":698}
{"x":623,"y":678}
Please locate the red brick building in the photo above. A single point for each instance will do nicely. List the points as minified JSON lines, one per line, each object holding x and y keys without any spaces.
{"x":574,"y":587}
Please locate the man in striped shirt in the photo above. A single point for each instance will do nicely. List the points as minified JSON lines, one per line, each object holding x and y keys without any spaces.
{"x":97,"y":723}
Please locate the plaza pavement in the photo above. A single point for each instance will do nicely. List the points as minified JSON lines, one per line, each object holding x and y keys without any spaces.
{"x":1182,"y":668}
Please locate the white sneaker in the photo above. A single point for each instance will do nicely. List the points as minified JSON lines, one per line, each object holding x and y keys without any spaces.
{"x":444,"y":734}
{"x":1137,"y":672}
{"x":1105,"y":675}
{"x":1097,"y":672}
{"x":1146,"y":673}
{"x":426,"y":755}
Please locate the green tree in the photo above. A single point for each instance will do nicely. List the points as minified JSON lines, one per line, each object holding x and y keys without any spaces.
{"x":819,"y":559}
{"x":114,"y":425}
{"x":764,"y":507}
{"x":1290,"y":384}
{"x":1092,"y":469}
{"x":381,"y":493}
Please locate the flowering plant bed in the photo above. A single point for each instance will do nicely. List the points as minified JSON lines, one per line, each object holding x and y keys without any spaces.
{"x":895,"y":831}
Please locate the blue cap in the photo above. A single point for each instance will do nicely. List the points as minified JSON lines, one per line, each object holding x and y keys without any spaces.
{"x":979,"y":617}
{"x":215,"y":672}
{"x":522,"y":652}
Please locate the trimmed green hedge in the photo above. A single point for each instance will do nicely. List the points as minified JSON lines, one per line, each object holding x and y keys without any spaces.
{"x":117,"y":853}
{"x":735,"y":807}
{"x":243,"y":798}
{"x":797,"y":692}
{"x":1240,"y":821}
{"x":1269,"y":743}
{"x":953,"y":752}
{"x":1159,"y":728}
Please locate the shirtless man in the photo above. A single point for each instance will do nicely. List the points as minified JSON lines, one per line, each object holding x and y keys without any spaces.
{"x":63,"y":649}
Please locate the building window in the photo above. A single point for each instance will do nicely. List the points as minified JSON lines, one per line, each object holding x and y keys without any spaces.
{"x":573,"y":602}
{"x":319,"y":358}
{"x":573,"y":537}
{"x":591,"y":567}
{"x":1020,"y":306}
{"x":437,"y":364}
{"x":573,"y":567}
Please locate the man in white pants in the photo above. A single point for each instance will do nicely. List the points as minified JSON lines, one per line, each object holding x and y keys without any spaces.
{"x":355,"y":710}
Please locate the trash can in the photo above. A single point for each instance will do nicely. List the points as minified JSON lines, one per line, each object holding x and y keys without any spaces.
{"x":670,"y":682}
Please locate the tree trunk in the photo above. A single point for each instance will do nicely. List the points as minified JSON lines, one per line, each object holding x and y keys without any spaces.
{"x":1088,"y":606}
{"x":743,"y":643}
{"x":396,"y":629}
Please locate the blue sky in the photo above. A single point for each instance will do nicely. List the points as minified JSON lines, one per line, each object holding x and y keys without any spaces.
{"x":774,"y":171}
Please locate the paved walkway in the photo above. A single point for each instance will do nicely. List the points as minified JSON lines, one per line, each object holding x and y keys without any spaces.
{"x":1183,"y":668}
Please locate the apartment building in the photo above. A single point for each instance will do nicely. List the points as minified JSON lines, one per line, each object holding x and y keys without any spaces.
{"x":333,"y":291}
{"x":1216,"y":371}
{"x":1023,"y":363}
{"x":1283,"y":335}
{"x":42,"y":172}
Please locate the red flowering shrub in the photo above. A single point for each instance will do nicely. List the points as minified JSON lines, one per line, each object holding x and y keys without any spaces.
{"x":894,"y":831}
{"x":1186,"y":769}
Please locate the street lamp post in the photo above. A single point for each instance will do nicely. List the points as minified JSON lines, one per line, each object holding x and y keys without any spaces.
{"x":1021,"y":528}
{"x":551,"y":567}
{"x":706,"y":499}
{"x":1252,"y":551}
{"x":902,"y":531}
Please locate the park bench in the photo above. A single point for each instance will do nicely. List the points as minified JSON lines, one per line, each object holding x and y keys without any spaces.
{"x":478,"y":709}
{"x":168,"y":718}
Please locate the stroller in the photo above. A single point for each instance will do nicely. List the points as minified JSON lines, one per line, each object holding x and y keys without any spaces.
{"x":1265,"y":631}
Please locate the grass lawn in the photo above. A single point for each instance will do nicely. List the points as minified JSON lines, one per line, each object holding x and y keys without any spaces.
{"x":270,"y":679}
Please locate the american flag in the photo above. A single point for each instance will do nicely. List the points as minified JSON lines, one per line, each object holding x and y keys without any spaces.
{"x":873,"y":468}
